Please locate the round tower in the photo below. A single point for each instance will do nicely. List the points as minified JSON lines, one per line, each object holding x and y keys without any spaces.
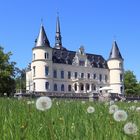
{"x":41,"y":63}
{"x":116,"y":70}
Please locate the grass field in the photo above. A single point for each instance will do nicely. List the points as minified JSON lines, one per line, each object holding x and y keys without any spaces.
{"x":65,"y":120}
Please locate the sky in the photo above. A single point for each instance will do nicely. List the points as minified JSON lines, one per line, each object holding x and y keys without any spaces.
{"x":94,"y":24}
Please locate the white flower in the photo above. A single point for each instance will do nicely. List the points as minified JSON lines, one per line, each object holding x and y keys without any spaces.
{"x":138,"y":109}
{"x":130,"y":128}
{"x":129,"y":101}
{"x":90,"y":109}
{"x":83,"y":102}
{"x":112,"y":109}
{"x":120,"y":115}
{"x":30,"y":102}
{"x":135,"y":101}
{"x":132,"y":108}
{"x":111,"y":102}
{"x":43,"y":103}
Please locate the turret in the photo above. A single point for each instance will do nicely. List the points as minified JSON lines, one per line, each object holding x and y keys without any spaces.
{"x":116,"y":74}
{"x":41,"y":63}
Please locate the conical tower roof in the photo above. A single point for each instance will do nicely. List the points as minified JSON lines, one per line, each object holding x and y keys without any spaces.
{"x":42,"y":40}
{"x":115,"y":53}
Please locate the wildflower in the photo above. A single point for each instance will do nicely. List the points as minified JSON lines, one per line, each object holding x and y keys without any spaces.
{"x":112,"y":109}
{"x":130,"y":128}
{"x":30,"y":102}
{"x":132,"y":108}
{"x":111,"y":102}
{"x":129,"y":101}
{"x":43,"y":103}
{"x":138,"y":109}
{"x":90,"y":109}
{"x":83,"y":102}
{"x":120,"y":115}
{"x":135,"y":101}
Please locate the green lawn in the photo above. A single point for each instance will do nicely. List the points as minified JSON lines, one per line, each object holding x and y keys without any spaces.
{"x":65,"y":120}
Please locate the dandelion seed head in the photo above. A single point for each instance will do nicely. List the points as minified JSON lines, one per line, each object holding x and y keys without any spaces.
{"x":90,"y":109}
{"x":120,"y":115}
{"x":132,"y":108}
{"x":138,"y":109}
{"x":111,"y":102}
{"x":113,"y":108}
{"x":43,"y":103}
{"x":130,"y":128}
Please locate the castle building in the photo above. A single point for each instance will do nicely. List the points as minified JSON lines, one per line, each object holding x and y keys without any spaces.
{"x":57,"y":69}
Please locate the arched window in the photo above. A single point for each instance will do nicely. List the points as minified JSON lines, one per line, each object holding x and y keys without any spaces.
{"x":75,"y":87}
{"x":87,"y":86}
{"x":81,"y":87}
{"x":55,"y":87}
{"x":62,"y":87}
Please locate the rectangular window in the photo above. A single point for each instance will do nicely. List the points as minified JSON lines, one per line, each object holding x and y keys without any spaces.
{"x":46,"y":55}
{"x":34,"y":71}
{"x":34,"y":56}
{"x":69,"y":87}
{"x":69,"y":75}
{"x":82,"y":75}
{"x":55,"y":87}
{"x":94,"y":76}
{"x":55,"y":74}
{"x":47,"y":85}
{"x":62,"y":74}
{"x":75,"y":75}
{"x":88,"y":76}
{"x":100,"y":77}
{"x":46,"y":70}
{"x":121,"y":77}
{"x":106,"y":78}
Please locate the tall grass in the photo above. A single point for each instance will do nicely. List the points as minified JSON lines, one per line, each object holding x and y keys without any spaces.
{"x":65,"y":120}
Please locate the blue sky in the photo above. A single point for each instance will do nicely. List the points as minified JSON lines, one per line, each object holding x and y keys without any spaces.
{"x":91,"y":23}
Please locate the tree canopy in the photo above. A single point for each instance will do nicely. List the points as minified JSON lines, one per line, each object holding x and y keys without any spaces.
{"x":7,"y":73}
{"x":132,"y":86}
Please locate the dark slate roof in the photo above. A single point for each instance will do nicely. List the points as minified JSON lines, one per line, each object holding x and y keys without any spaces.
{"x":42,"y":39}
{"x":64,"y":56}
{"x":115,"y":53}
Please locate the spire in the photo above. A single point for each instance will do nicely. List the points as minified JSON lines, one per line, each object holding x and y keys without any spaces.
{"x":58,"y":38}
{"x":115,"y":53}
{"x":42,"y":40}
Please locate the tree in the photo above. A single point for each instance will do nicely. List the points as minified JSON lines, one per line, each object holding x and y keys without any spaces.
{"x":20,"y":80}
{"x":132,"y":87}
{"x":7,"y":73}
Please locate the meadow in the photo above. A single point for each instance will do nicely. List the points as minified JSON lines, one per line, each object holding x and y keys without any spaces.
{"x":65,"y":120}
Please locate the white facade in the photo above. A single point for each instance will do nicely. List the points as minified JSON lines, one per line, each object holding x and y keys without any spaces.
{"x":62,"y":71}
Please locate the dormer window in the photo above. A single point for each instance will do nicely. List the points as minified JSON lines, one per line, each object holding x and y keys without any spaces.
{"x":82,"y":50}
{"x":81,"y":63}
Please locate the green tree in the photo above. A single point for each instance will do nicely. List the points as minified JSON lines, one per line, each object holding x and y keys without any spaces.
{"x":7,"y":73}
{"x":132,"y":87}
{"x":20,"y":80}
